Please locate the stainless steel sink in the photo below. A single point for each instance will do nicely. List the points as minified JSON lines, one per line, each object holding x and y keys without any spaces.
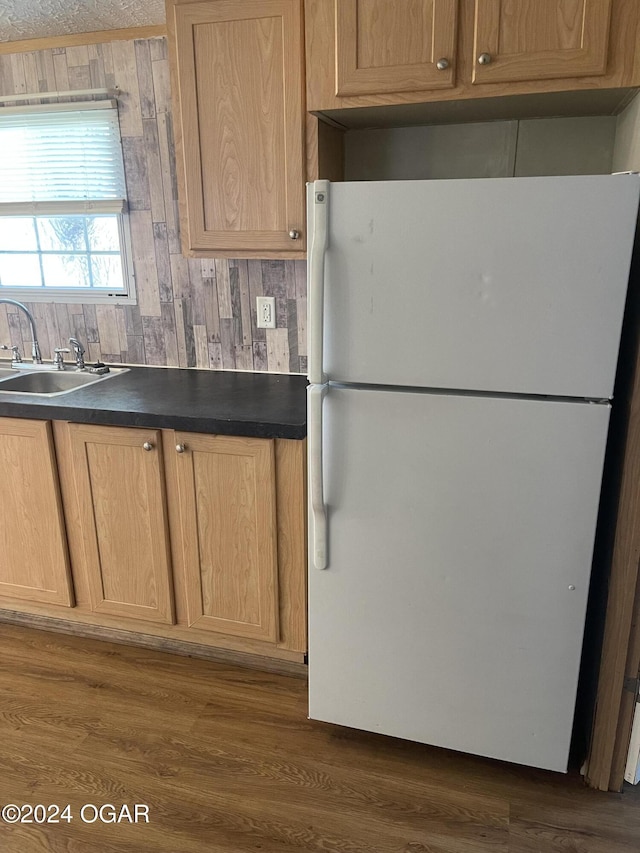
{"x":49,"y":383}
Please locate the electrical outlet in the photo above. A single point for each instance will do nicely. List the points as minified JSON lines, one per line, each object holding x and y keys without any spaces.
{"x":266,"y":312}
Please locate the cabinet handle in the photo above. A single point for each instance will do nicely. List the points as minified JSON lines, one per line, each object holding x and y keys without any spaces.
{"x":180,"y":448}
{"x":442,"y":64}
{"x":147,"y":445}
{"x":294,"y":234}
{"x":484,"y":59}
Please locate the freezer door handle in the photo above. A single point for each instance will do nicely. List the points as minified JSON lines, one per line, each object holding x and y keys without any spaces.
{"x":316,"y":488}
{"x":319,"y":242}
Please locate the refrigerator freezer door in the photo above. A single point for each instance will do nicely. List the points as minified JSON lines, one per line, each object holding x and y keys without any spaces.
{"x":460,"y":538}
{"x":514,"y":284}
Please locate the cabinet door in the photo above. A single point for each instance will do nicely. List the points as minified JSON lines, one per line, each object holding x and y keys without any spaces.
{"x":121,"y":496}
{"x":394,"y":45}
{"x":226,"y":496}
{"x":238,"y":81}
{"x":518,"y":40}
{"x":34,"y":562}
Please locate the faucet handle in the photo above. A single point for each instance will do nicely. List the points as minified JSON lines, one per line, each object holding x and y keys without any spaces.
{"x":16,"y":358}
{"x":58,"y":357}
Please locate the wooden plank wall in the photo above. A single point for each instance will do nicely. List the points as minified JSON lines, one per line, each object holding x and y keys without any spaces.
{"x":190,"y":313}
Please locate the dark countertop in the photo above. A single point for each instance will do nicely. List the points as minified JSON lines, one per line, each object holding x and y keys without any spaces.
{"x":260,"y":405}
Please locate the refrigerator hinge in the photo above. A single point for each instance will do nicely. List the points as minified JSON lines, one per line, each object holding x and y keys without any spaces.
{"x":632,"y":685}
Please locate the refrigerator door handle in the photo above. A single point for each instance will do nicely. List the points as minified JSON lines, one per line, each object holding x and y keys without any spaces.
{"x":319,"y":242}
{"x":316,"y":488}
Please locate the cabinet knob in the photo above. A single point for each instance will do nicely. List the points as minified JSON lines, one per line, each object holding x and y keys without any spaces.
{"x":294,"y":234}
{"x":147,"y":445}
{"x":442,"y":64}
{"x":484,"y":59}
{"x":180,"y":448}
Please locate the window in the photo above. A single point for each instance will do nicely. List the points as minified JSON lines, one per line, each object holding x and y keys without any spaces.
{"x":64,"y":231}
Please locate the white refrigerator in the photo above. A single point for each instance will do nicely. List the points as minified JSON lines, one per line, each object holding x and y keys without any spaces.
{"x":463,"y":340}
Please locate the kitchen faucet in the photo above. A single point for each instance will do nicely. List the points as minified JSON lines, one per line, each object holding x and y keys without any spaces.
{"x":35,"y":346}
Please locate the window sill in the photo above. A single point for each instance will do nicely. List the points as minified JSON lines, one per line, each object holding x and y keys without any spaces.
{"x":85,"y":297}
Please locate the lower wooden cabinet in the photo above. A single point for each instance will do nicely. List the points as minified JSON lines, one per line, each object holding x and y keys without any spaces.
{"x":119,"y":483}
{"x":225,"y":500}
{"x":34,"y":563}
{"x":237,"y":514}
{"x":183,"y":537}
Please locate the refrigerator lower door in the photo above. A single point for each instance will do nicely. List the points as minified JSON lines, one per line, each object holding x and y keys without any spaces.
{"x":460,"y":539}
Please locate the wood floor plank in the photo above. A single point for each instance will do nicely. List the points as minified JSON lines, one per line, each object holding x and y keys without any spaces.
{"x":297,"y":791}
{"x":228,"y":762}
{"x":531,"y":837}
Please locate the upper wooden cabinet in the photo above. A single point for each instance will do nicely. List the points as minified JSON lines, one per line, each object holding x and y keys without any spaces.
{"x":237,"y":83}
{"x":364,"y":53}
{"x":34,"y":563}
{"x":540,"y":39}
{"x":394,"y":45}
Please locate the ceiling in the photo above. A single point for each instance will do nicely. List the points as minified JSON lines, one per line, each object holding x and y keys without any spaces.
{"x":25,"y":19}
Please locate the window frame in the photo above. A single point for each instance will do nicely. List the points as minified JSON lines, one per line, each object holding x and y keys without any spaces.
{"x":79,"y":207}
{"x":84,"y":295}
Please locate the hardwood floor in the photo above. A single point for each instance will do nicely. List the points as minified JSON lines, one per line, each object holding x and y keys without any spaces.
{"x":228,"y":763}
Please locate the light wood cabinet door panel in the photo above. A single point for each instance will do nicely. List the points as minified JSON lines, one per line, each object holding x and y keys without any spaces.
{"x":238,"y":78}
{"x":34,"y":561}
{"x":395,"y":45}
{"x":122,"y":506}
{"x":540,"y":39}
{"x":226,"y":495}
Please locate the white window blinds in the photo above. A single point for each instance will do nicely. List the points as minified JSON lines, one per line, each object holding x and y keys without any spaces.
{"x":61,"y":158}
